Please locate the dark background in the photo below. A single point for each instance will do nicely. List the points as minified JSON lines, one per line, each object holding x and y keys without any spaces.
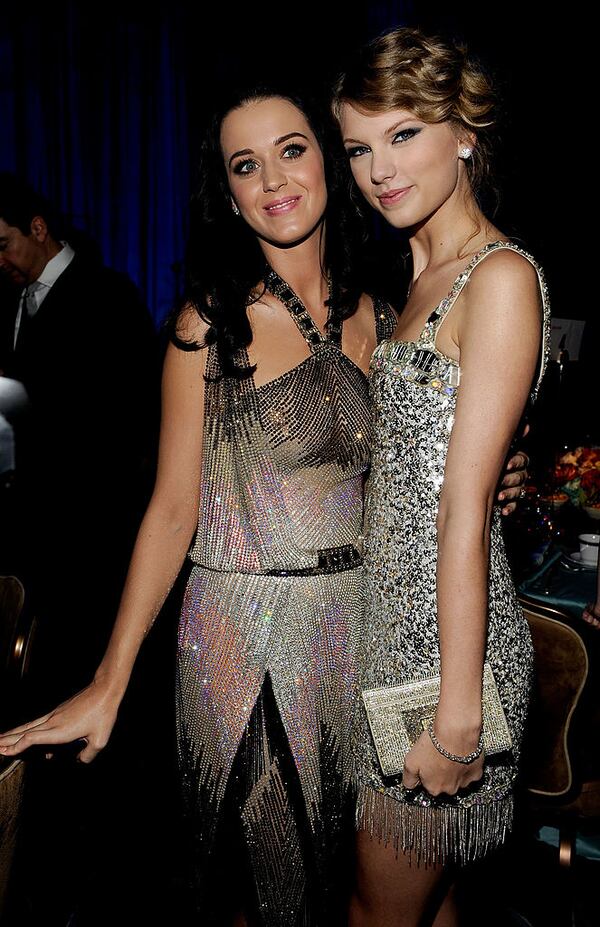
{"x":101,"y":107}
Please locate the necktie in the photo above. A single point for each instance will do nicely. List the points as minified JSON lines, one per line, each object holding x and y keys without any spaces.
{"x":29,"y":309}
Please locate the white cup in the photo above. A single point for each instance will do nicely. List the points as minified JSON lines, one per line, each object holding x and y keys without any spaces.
{"x":588,"y":547}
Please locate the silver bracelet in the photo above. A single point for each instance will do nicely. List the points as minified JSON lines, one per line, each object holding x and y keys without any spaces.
{"x":469,"y":758}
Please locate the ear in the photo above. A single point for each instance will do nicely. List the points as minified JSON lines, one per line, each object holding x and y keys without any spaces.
{"x":39,"y":229}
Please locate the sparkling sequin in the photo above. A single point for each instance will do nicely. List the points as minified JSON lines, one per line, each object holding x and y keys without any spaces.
{"x":282,"y":478}
{"x":414,"y":388}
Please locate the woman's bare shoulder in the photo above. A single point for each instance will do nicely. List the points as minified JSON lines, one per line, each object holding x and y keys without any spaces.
{"x":506,"y":283}
{"x":503,"y":268}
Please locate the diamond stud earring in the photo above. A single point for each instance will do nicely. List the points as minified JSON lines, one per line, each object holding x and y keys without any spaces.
{"x":234,"y":206}
{"x":465,"y":153}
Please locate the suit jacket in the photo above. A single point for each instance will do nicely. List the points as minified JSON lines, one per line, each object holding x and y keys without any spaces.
{"x":88,"y":360}
{"x":9,"y":303}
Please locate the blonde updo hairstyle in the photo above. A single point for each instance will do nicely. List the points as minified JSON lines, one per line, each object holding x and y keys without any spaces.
{"x":430,"y":77}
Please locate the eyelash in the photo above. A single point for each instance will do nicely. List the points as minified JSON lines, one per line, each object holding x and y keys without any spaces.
{"x":358,"y":150}
{"x":410,"y":133}
{"x":296,"y":147}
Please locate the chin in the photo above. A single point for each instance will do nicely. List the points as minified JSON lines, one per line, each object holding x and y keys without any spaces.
{"x":292,"y":235}
{"x":398,"y":221}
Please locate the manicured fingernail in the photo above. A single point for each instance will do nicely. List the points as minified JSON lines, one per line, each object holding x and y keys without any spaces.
{"x":502,"y":495}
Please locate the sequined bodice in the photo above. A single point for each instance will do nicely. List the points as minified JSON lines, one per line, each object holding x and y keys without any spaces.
{"x":284,"y":463}
{"x":414,"y":393}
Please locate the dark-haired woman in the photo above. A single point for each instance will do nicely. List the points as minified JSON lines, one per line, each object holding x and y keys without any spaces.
{"x":266,"y":482}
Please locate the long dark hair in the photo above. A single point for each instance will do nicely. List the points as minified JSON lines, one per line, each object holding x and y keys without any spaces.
{"x":224,"y":261}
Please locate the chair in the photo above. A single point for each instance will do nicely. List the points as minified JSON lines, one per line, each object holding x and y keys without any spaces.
{"x":12,"y":776}
{"x":16,"y":632}
{"x":562,"y":774}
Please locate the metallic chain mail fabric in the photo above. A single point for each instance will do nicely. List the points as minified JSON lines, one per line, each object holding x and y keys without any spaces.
{"x":414,"y":388}
{"x":282,"y":479}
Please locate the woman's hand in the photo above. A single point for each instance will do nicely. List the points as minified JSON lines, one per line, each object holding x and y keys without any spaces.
{"x":89,"y":715}
{"x":438,"y":776}
{"x":591,"y":614}
{"x":513,"y":480}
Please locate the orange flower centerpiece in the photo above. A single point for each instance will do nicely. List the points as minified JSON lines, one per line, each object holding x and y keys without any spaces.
{"x":577,"y":473}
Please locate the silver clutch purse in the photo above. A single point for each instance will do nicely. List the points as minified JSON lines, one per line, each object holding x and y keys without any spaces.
{"x":398,"y":715}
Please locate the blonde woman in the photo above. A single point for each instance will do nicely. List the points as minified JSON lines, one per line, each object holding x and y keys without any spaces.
{"x":449,"y":389}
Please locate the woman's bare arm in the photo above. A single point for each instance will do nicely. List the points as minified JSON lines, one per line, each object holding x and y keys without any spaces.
{"x":591,"y":612}
{"x":160,"y":549}
{"x":499,"y":336}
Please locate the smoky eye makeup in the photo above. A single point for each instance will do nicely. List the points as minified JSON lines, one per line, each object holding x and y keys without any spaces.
{"x":245,"y":166}
{"x":294,"y":150}
{"x":405,"y":134}
{"x":354,"y":151}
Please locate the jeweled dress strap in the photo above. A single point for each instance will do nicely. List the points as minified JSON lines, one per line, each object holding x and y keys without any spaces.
{"x":433,"y":324}
{"x":300,"y":314}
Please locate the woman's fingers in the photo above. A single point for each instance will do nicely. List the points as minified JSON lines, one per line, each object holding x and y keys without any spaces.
{"x":591,"y":618}
{"x":88,"y":754}
{"x":16,"y":743}
{"x":47,"y":737}
{"x":25,"y":727}
{"x":438,"y":775}
{"x":81,"y":725}
{"x":509,"y":498}
{"x":513,"y":481}
{"x":519,"y":462}
{"x":410,"y":778}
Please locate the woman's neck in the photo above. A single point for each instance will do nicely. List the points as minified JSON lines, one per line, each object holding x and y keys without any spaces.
{"x":301,"y":266}
{"x":457,"y":228}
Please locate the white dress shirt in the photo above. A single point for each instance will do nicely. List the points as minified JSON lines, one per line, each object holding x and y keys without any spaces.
{"x":47,"y":279}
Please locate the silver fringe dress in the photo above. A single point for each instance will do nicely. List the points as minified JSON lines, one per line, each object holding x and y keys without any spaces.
{"x":275,"y":598}
{"x":414,"y":389}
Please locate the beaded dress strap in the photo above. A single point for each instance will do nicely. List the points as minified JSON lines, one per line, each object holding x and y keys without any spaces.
{"x":432,"y":326}
{"x":300,"y":314}
{"x":385,"y":318}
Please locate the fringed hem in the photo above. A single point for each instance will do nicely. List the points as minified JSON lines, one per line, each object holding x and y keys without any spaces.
{"x":434,"y":834}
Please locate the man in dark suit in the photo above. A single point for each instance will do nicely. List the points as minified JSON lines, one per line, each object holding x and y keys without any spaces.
{"x":84,"y":347}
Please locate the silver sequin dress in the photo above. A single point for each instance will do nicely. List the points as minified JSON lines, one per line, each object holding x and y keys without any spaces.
{"x":414,"y":389}
{"x":282,"y":480}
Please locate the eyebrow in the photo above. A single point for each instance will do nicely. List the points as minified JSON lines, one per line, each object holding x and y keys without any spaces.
{"x":390,"y":131}
{"x":398,"y":124}
{"x":278,"y":141}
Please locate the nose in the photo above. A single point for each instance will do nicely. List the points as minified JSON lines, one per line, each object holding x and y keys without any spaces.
{"x":382,"y":168}
{"x":273,"y":177}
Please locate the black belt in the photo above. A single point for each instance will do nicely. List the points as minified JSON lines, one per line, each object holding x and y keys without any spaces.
{"x":329,"y":560}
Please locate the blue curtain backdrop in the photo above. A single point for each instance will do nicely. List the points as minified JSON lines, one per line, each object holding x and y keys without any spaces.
{"x":93,"y":114}
{"x":101,"y":109}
